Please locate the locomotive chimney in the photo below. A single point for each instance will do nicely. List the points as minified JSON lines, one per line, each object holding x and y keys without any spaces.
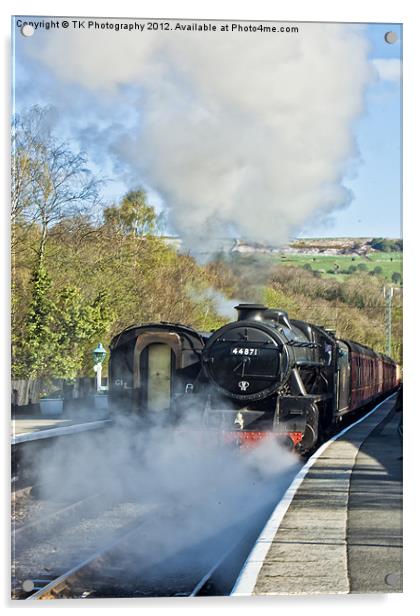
{"x":251,"y":312}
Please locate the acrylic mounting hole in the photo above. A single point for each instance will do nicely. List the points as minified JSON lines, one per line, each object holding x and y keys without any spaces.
{"x":27,"y":30}
{"x":391,"y":37}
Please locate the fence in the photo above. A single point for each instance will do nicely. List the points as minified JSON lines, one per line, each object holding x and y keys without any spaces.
{"x":27,"y":392}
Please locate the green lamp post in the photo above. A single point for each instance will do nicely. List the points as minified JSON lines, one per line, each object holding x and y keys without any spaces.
{"x":99,"y":355}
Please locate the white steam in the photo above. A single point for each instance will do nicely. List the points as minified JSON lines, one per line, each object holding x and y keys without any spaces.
{"x":242,"y":134}
{"x":223,"y":305}
{"x":197,"y":488}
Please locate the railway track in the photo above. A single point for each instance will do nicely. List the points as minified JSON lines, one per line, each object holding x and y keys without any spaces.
{"x":47,"y":523}
{"x":41,"y":549}
{"x":63,"y":586}
{"x":101,"y":575}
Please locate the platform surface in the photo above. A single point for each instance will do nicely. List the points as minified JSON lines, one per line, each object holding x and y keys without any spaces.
{"x":33,"y":428}
{"x":342,"y":531}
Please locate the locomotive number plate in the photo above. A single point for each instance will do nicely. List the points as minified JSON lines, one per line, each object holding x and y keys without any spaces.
{"x":244,"y":351}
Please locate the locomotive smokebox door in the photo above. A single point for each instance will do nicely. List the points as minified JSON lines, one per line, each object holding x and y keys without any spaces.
{"x":246,"y":360}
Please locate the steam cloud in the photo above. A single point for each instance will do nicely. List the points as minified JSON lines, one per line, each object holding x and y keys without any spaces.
{"x":224,"y":306}
{"x":201,"y":490}
{"x":242,"y":134}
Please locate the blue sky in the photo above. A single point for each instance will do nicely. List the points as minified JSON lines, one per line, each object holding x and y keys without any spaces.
{"x":376,"y":207}
{"x":93,"y":122}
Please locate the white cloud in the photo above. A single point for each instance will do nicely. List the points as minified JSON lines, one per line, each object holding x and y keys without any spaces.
{"x":388,"y":69}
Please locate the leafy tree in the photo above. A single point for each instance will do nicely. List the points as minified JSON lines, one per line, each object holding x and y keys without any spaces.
{"x":396,"y":278}
{"x":32,"y":353}
{"x":275,"y":297}
{"x":60,"y":330}
{"x":79,"y":326}
{"x":133,"y":216}
{"x":386,"y":245}
{"x":377,"y":271}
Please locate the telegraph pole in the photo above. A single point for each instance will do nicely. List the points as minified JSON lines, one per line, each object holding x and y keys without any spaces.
{"x":388,"y":295}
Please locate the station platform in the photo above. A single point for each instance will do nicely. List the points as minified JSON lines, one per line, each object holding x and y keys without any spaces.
{"x":36,"y":428}
{"x":338,"y":529}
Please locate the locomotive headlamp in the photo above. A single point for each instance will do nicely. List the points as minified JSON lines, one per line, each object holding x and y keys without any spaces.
{"x":99,"y":354}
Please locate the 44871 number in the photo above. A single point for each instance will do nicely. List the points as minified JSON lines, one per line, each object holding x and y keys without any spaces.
{"x":244,"y":351}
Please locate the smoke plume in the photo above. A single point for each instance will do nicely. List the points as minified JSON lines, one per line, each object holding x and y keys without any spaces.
{"x":243,"y":134}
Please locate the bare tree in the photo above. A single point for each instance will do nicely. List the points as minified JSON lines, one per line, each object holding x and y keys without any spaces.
{"x":50,"y":181}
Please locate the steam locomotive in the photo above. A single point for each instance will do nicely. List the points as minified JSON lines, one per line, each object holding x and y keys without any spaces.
{"x":262,"y":373}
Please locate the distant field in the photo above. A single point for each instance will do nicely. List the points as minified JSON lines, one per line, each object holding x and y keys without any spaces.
{"x":389,"y":262}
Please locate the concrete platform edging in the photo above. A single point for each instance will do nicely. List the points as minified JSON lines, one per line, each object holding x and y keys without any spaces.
{"x":247,"y":579}
{"x":62,"y":431}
